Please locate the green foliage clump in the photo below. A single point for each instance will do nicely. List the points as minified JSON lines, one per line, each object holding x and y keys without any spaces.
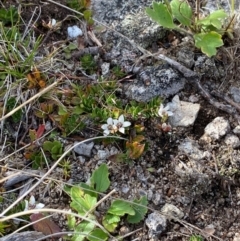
{"x":196,"y":238}
{"x":88,"y":63}
{"x":9,"y":16}
{"x":84,"y":200}
{"x":82,"y":7}
{"x":11,"y":104}
{"x":207,"y":31}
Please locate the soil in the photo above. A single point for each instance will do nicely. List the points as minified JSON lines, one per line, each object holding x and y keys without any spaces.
{"x":208,"y":198}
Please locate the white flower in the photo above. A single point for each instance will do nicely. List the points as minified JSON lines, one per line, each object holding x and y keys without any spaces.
{"x":164,"y":111}
{"x":110,"y":127}
{"x":122,"y":124}
{"x":32,"y":204}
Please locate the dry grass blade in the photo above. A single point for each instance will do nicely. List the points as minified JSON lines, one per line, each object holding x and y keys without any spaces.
{"x":42,"y":92}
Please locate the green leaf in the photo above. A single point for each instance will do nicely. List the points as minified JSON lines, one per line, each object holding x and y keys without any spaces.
{"x":161,"y":14}
{"x":215,"y":19}
{"x":97,"y":234}
{"x":81,"y":202}
{"x":140,"y":211}
{"x":100,"y":178}
{"x":88,"y":190}
{"x":120,"y":207}
{"x":47,"y":146}
{"x":110,"y":222}
{"x":84,"y":228}
{"x":182,"y":11}
{"x":208,"y":42}
{"x":71,"y":221}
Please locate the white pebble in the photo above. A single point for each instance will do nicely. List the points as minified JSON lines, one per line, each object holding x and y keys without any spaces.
{"x":74,"y":31}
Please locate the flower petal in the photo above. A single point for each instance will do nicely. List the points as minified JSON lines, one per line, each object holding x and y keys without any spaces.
{"x":121,"y":118}
{"x":110,"y":121}
{"x":104,"y":126}
{"x":126,"y":123}
{"x":39,"y":206}
{"x":115,"y":122}
{"x":122,"y":130}
{"x":32,"y":201}
{"x":106,"y":132}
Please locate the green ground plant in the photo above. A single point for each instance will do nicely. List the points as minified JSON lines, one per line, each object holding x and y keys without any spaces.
{"x":85,"y":201}
{"x":195,"y":238}
{"x":207,"y":31}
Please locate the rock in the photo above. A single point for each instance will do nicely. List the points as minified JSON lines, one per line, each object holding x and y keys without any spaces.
{"x":105,"y":67}
{"x":207,"y":67}
{"x":232,"y":140}
{"x":235,"y":92}
{"x":217,"y":128}
{"x":236,"y":237}
{"x":157,"y":198}
{"x":74,"y":31}
{"x":155,"y":81}
{"x":236,"y":130}
{"x":191,"y":149}
{"x":172,"y":211}
{"x":186,"y":57}
{"x":156,"y":223}
{"x":184,"y":113}
{"x":84,"y":149}
{"x":102,"y":154}
{"x":141,"y":29}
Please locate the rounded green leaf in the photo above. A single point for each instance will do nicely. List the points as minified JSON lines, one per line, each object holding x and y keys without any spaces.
{"x":208,"y":42}
{"x":121,"y":208}
{"x":100,"y":178}
{"x":182,"y":11}
{"x":161,"y":14}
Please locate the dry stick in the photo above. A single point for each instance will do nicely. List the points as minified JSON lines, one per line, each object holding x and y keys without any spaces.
{"x":227,"y":99}
{"x":31,"y":99}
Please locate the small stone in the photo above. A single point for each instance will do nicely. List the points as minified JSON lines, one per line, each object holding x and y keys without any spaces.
{"x":235,"y":92}
{"x":191,"y":149}
{"x":101,"y":154}
{"x":236,"y":237}
{"x":232,"y":140}
{"x":125,"y":188}
{"x":236,"y":130}
{"x":157,"y":198}
{"x":156,"y":223}
{"x":48,"y":126}
{"x":184,"y":113}
{"x":217,"y":128}
{"x":172,"y":211}
{"x":74,"y":31}
{"x":105,"y":68}
{"x":84,"y":149}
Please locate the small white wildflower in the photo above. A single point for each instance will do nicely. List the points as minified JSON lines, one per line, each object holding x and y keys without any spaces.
{"x":164,"y":111}
{"x":31,"y":204}
{"x":122,"y":124}
{"x":110,"y":127}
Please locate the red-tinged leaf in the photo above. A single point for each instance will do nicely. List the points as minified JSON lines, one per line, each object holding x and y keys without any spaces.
{"x":40,"y":131}
{"x":46,"y":226}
